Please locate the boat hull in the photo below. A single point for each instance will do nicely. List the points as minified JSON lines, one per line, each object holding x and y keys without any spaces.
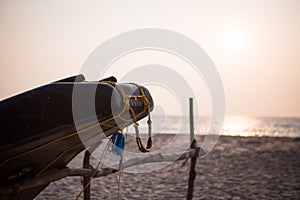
{"x":44,"y":129}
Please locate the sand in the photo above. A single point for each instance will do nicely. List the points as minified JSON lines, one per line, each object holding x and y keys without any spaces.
{"x":237,"y":168}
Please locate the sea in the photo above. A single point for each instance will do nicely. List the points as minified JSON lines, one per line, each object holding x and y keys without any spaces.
{"x":245,"y":126}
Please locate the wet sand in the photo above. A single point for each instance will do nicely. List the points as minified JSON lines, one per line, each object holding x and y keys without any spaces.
{"x":237,"y":168}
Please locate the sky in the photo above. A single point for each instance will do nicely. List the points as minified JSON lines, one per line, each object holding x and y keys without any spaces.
{"x":254,"y":44}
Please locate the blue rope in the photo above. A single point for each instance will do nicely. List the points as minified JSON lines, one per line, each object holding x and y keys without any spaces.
{"x":116,"y":143}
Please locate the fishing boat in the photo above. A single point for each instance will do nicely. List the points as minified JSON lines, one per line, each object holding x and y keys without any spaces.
{"x":43,"y":129}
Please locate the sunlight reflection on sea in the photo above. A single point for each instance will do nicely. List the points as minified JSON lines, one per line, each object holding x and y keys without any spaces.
{"x":245,"y":126}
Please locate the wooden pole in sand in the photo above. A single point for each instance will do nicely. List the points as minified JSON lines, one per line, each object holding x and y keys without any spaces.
{"x":192,"y":174}
{"x":192,"y":134}
{"x":86,"y":179}
{"x":87,"y":165}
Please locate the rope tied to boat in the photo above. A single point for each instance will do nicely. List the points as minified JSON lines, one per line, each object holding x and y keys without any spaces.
{"x":147,"y":107}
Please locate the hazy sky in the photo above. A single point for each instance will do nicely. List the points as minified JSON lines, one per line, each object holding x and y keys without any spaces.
{"x":255,"y":44}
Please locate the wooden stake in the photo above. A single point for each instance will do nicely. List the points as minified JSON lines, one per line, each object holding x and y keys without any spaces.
{"x":192,"y":135}
{"x":192,"y":174}
{"x":86,"y":179}
{"x":87,"y":165}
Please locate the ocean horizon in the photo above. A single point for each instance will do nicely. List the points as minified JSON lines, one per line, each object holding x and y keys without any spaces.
{"x":233,"y":125}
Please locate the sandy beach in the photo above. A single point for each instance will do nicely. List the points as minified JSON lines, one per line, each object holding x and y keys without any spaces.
{"x":237,"y":168}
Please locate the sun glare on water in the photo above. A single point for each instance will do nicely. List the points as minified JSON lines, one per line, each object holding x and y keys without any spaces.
{"x":239,"y":126}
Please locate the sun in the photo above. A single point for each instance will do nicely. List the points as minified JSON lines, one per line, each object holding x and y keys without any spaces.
{"x":235,"y":41}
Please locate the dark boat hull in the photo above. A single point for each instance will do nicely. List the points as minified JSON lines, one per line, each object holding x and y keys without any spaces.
{"x":40,"y":133}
